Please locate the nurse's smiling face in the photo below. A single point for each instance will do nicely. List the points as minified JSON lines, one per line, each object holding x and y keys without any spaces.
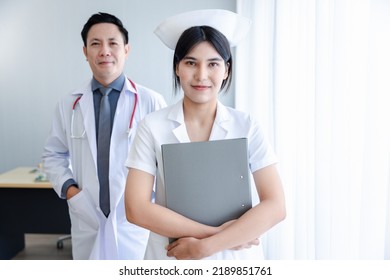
{"x":106,"y":52}
{"x":201,"y":73}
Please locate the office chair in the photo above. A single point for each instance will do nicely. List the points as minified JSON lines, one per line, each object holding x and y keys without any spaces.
{"x":60,"y":241}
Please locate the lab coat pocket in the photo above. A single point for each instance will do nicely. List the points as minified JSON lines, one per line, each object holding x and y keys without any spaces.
{"x":82,"y":212}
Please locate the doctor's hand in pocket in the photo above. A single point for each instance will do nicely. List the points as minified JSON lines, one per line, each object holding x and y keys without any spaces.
{"x":71,"y":192}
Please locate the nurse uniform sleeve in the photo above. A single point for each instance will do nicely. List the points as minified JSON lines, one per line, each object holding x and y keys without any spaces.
{"x":261,"y":153}
{"x":142,"y":154}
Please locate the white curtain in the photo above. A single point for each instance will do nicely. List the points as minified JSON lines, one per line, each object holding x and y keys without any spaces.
{"x":316,"y":74}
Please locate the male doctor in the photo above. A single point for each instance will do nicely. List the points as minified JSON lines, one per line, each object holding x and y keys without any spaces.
{"x":87,"y":169}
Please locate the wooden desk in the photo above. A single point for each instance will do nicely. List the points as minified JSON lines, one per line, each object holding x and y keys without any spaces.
{"x":28,"y":207}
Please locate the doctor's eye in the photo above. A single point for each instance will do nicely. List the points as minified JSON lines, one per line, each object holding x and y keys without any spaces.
{"x":94,"y":44}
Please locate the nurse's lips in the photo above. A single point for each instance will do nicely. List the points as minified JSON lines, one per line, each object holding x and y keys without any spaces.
{"x":201,"y":87}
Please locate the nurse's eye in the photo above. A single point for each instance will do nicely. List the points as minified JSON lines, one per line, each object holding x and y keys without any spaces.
{"x":190,"y":63}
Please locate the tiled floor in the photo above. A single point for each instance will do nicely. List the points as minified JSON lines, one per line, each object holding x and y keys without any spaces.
{"x":44,"y":247}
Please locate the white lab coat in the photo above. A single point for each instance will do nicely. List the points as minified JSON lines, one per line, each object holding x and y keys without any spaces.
{"x":93,"y":235}
{"x":168,"y":126}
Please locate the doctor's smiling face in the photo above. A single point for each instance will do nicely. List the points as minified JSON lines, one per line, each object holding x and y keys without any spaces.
{"x":106,"y":51}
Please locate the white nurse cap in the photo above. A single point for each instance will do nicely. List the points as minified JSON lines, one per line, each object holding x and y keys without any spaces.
{"x":230,"y":24}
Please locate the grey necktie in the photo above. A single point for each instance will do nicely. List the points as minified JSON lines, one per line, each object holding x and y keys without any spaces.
{"x":103,"y":151}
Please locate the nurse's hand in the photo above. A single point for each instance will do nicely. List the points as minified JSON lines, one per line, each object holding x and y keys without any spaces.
{"x":248,"y":245}
{"x":71,"y":192}
{"x":187,"y":248}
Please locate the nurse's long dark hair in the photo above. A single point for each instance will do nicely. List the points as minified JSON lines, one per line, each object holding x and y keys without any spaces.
{"x":195,"y":35}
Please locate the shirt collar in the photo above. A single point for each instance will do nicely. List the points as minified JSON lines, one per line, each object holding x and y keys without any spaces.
{"x":117,"y":84}
{"x":177,"y":113}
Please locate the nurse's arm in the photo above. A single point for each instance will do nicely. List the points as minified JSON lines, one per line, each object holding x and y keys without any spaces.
{"x":142,"y":212}
{"x":262,"y":217}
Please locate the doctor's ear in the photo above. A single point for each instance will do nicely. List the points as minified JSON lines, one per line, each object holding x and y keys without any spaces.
{"x":127,"y":49}
{"x":85,"y":53}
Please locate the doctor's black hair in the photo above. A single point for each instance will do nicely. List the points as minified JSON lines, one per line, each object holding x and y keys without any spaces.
{"x":103,"y":18}
{"x":195,"y":35}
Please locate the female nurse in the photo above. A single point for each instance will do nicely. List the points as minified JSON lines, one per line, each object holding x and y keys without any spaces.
{"x":202,"y":66}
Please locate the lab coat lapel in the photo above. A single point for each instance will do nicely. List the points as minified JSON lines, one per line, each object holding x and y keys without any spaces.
{"x":176,"y":115}
{"x":87,"y":109}
{"x":124,"y":109}
{"x":119,"y":144}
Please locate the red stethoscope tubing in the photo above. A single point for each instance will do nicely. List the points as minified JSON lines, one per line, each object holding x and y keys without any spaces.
{"x":133,"y":113}
{"x":134,"y":107}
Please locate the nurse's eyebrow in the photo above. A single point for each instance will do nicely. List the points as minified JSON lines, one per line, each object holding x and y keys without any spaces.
{"x":210,"y":59}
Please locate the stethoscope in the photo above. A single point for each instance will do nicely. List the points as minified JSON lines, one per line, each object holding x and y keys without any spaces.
{"x":130,"y":128}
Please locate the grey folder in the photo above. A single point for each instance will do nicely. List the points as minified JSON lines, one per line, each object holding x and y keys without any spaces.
{"x":207,"y":181}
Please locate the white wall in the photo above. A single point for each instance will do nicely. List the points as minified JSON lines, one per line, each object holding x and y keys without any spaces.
{"x":41,"y":60}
